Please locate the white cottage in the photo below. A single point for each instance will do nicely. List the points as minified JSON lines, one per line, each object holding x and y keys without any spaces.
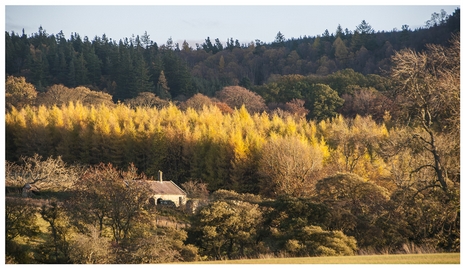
{"x":166,"y":191}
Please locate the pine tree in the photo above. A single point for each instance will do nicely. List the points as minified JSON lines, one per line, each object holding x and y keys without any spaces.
{"x":92,"y":64}
{"x":81,"y":71}
{"x":142,"y":79}
{"x":124,"y":72}
{"x":177,"y":74}
{"x":71,"y":78}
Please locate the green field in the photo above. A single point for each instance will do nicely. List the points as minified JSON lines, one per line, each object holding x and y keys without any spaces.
{"x":438,"y":258}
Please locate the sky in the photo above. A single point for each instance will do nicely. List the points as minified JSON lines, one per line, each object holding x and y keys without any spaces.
{"x":245,"y":21}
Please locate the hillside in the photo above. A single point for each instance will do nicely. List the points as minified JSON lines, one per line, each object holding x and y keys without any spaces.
{"x":335,"y":145}
{"x":134,"y":65}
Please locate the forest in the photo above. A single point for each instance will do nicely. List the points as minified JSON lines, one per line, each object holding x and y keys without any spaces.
{"x":339,"y":144}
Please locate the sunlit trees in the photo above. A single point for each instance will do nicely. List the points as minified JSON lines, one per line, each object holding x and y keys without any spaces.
{"x":256,"y":153}
{"x":228,"y":229}
{"x":355,"y":205}
{"x":424,"y":150}
{"x":56,"y":247}
{"x":37,"y":173}
{"x":91,"y":248}
{"x":220,"y":149}
{"x":166,"y":246}
{"x":288,"y":165}
{"x":20,"y":221}
{"x":314,"y":241}
{"x":18,"y":93}
{"x":355,"y":145}
{"x":112,"y":205}
{"x":427,"y":83}
{"x":89,"y":97}
{"x":428,"y":213}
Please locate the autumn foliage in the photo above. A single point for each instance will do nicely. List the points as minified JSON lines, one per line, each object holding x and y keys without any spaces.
{"x":276,"y":171}
{"x":219,"y":148}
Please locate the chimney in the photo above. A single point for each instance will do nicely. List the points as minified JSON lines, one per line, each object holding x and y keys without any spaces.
{"x":160,"y":176}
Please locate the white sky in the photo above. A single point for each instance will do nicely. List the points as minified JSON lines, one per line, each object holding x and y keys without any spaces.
{"x":245,"y":21}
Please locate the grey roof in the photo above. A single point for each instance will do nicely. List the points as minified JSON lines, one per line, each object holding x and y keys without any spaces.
{"x":165,"y":188}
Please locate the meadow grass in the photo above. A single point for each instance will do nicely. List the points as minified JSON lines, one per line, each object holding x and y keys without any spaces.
{"x":436,"y":258}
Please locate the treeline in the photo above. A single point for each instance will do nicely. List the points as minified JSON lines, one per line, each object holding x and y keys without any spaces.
{"x":137,"y":64}
{"x":223,"y":150}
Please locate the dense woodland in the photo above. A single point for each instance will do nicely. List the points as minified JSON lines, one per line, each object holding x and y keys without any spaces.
{"x":128,"y":67}
{"x":340,"y":144}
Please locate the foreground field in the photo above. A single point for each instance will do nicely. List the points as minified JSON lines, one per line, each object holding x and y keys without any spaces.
{"x":439,"y":258}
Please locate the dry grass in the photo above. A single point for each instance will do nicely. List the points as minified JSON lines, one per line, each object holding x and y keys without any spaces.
{"x":163,"y":221}
{"x":435,"y":258}
{"x":407,"y":248}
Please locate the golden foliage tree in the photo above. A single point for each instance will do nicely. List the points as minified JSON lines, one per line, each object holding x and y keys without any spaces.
{"x":18,"y":93}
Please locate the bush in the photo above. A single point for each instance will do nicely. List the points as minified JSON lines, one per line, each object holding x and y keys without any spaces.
{"x":318,"y":242}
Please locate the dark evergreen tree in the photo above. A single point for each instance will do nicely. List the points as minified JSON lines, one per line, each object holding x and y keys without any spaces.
{"x":245,"y":82}
{"x":81,"y":71}
{"x":92,"y":63}
{"x":177,"y":74}
{"x":279,"y":39}
{"x":39,"y":69}
{"x":142,"y":78}
{"x":71,"y":78}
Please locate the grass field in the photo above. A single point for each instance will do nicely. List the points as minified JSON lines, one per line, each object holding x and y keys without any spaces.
{"x":437,"y":258}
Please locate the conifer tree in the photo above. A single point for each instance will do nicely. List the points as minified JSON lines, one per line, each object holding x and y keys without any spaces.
{"x":142,"y":81}
{"x":162,"y":86}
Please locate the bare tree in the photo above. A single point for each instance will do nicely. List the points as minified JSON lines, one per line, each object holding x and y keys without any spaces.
{"x":197,"y":102}
{"x":366,"y":101}
{"x":195,"y":189}
{"x":34,"y":173}
{"x":296,"y":108}
{"x":428,"y":83}
{"x":236,"y":96}
{"x":61,"y":95}
{"x":112,"y":198}
{"x":146,"y":100}
{"x":91,"y":249}
{"x":287,"y":166}
{"x":56,"y":95}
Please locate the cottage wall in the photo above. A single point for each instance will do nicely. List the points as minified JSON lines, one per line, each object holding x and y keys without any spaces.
{"x":174,"y":198}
